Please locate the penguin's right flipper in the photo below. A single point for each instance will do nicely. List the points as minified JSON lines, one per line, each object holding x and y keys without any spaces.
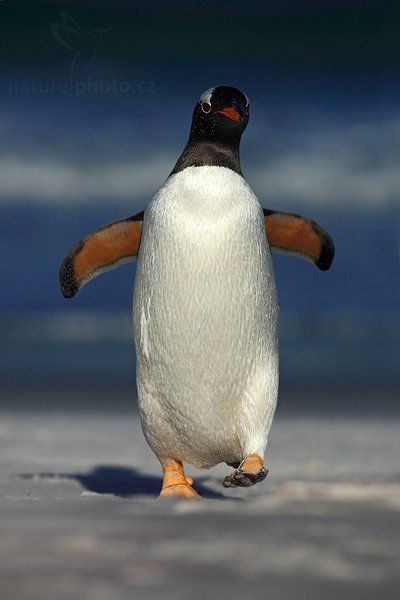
{"x":295,"y":235}
{"x":100,"y":251}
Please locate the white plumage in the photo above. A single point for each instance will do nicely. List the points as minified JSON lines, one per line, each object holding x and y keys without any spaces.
{"x":205,"y":320}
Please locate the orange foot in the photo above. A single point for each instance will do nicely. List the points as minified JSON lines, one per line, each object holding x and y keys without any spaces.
{"x":250,"y":472}
{"x":176,"y":484}
{"x":183,"y":490}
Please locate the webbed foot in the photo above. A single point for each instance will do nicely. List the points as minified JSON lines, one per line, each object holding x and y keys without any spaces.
{"x":249,"y":472}
{"x":181,"y":490}
{"x":176,"y":484}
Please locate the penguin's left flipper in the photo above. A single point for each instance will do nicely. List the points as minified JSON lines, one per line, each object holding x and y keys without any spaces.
{"x":296,"y":235}
{"x":100,"y":251}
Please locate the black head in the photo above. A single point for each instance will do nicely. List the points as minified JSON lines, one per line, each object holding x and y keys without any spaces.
{"x":219,"y":119}
{"x":220,"y":115}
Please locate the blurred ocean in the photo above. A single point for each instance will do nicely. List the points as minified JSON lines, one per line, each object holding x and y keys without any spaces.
{"x":92,"y":125}
{"x":342,"y":326}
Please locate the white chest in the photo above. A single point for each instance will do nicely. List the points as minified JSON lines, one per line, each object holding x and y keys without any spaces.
{"x":205,"y":308}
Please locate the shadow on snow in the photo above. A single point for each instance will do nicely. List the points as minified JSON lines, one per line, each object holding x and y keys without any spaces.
{"x":120,"y":481}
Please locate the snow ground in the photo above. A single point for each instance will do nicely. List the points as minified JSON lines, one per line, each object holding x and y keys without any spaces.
{"x":80,"y":517}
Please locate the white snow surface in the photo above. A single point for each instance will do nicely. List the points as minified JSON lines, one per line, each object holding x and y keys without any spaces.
{"x":80,"y":516}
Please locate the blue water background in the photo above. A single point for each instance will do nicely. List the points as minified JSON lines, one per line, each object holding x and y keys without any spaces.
{"x":323,"y":141}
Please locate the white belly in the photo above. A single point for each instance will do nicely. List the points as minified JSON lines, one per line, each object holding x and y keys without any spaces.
{"x":205,"y":320}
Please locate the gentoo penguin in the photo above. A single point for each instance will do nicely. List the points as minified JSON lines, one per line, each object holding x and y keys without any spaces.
{"x":205,"y":308}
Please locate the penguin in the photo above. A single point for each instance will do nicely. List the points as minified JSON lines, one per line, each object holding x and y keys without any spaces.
{"x":205,"y":309}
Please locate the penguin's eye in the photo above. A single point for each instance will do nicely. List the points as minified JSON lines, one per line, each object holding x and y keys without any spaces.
{"x":205,"y":107}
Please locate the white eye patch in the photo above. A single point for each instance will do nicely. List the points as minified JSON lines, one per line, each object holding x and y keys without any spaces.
{"x":206,"y":96}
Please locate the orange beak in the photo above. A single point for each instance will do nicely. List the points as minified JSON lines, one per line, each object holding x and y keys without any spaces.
{"x":230,"y":112}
